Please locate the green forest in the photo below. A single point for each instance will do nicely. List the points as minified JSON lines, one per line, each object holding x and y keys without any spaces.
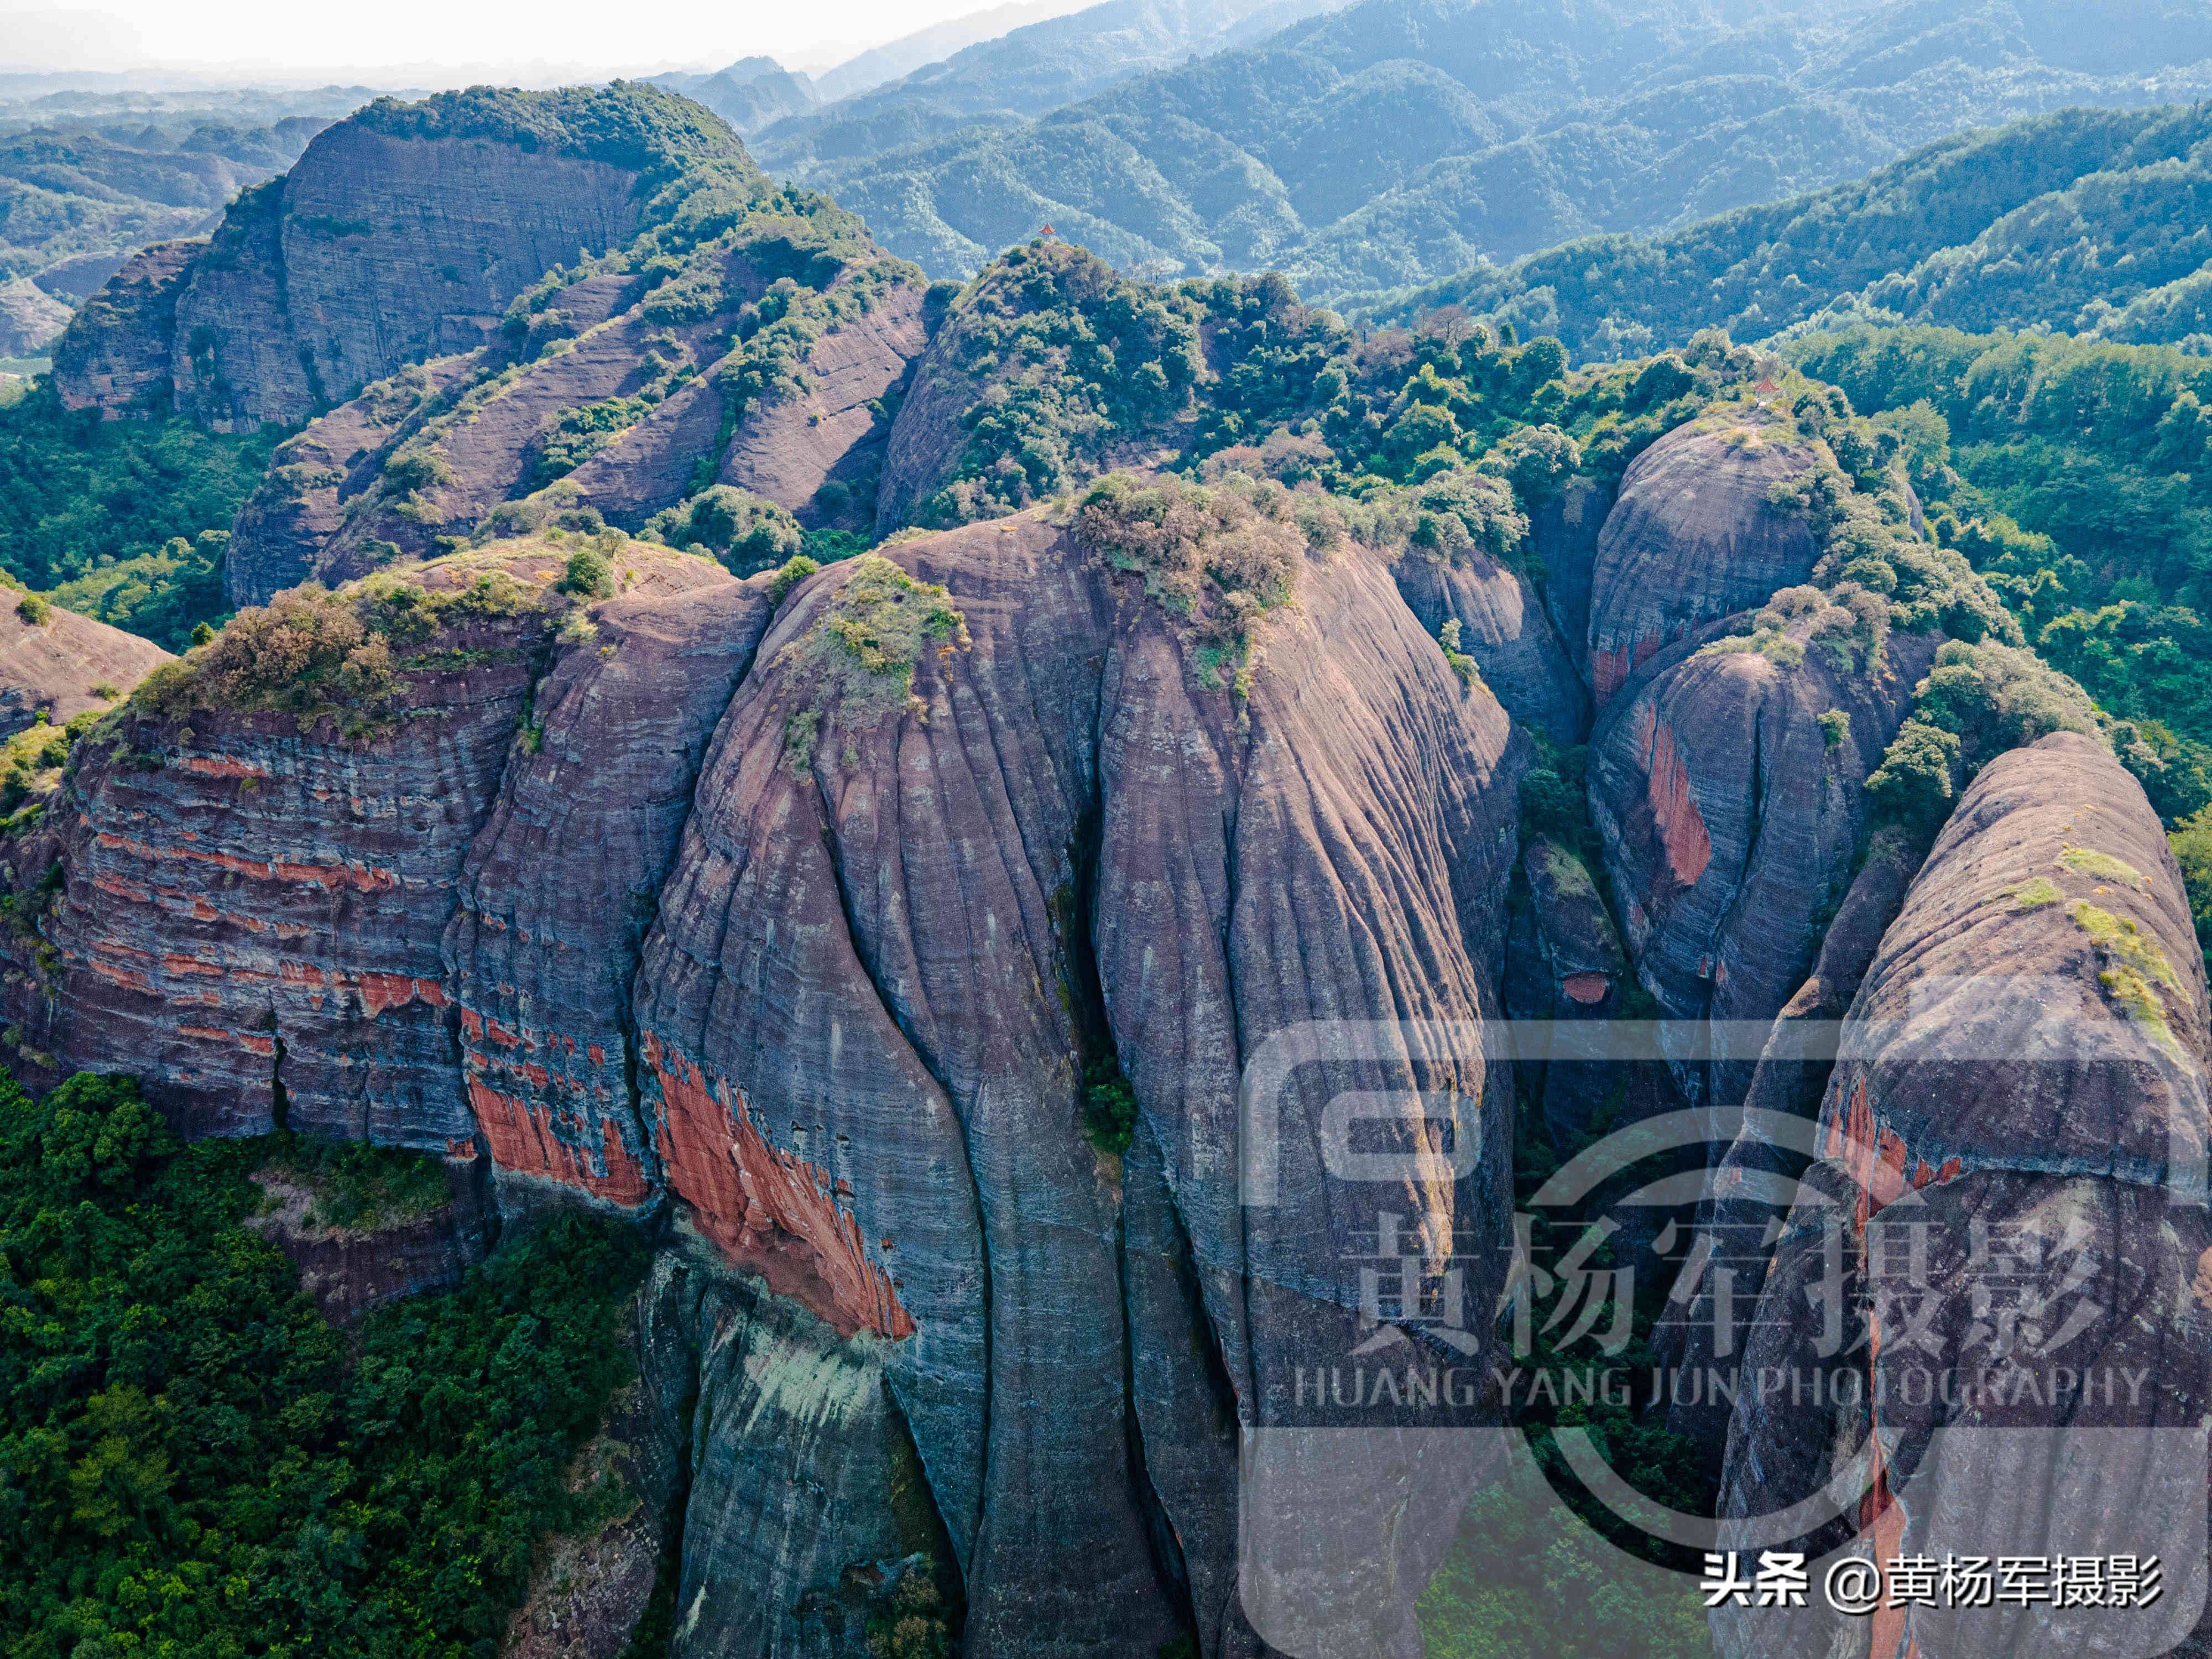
{"x":124,"y":521}
{"x":194,"y":1463}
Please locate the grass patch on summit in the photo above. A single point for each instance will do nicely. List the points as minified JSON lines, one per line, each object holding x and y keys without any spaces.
{"x":855,"y":664}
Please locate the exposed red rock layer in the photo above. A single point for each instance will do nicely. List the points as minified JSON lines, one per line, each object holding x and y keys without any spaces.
{"x":769,"y":1210}
{"x":557,"y":890}
{"x":1731,"y":824}
{"x":2041,"y":1130}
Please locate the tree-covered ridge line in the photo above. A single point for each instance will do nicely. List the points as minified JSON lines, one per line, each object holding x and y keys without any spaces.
{"x":194,"y":1463}
{"x":1398,"y":142}
{"x":2088,"y":221}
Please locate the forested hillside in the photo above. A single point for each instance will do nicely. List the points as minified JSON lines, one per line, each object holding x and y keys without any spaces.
{"x":2078,"y":478}
{"x":1398,"y":141}
{"x":2096,"y":222}
{"x":1024,"y":73}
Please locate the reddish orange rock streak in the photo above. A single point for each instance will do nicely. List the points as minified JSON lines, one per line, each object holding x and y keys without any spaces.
{"x":1683,"y":833}
{"x":770,"y":1211}
{"x":521,"y":1138}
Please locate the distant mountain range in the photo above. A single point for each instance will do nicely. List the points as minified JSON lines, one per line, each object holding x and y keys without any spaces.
{"x":87,"y":176}
{"x":1400,"y":141}
{"x":1027,"y":72}
{"x":2091,"y":222}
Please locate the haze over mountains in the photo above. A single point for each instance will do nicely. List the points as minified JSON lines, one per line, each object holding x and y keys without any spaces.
{"x":1400,"y":141}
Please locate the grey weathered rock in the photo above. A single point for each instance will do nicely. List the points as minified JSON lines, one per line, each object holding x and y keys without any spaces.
{"x":404,"y":231}
{"x":1505,"y":626}
{"x":558,"y":889}
{"x":115,"y":353}
{"x":1693,"y":537}
{"x":787,"y":450}
{"x":2023,"y":1091}
{"x":1732,"y":820}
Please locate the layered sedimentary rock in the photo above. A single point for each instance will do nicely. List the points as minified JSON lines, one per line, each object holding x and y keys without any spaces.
{"x":115,"y":354}
{"x":2008,"y":1200}
{"x":256,"y":901}
{"x":1732,"y":811}
{"x":793,"y":450}
{"x":402,"y":232}
{"x":51,"y":667}
{"x":557,"y":891}
{"x":280,"y":536}
{"x":768,"y":363}
{"x":1694,"y":536}
{"x":843,"y":1020}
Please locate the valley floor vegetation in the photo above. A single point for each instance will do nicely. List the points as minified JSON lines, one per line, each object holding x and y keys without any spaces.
{"x":194,"y":1463}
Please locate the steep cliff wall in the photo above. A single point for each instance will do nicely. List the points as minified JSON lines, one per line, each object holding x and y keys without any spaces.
{"x":1694,"y":536}
{"x":1733,"y":809}
{"x":115,"y":354}
{"x":2022,"y":1086}
{"x":866,"y":994}
{"x":558,"y":889}
{"x":259,"y":881}
{"x":818,"y":932}
{"x":402,"y":232}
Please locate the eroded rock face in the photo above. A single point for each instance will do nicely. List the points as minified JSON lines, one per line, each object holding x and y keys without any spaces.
{"x":790,"y":449}
{"x":1693,"y":537}
{"x":1505,"y":626}
{"x":1563,"y":533}
{"x":115,"y":354}
{"x":1732,"y":818}
{"x":280,"y":536}
{"x":806,"y":1504}
{"x":494,"y":431}
{"x":402,"y":232}
{"x":557,"y":891}
{"x":851,"y":990}
{"x":50,"y":667}
{"x":1708,"y":1326}
{"x":829,"y":980}
{"x":2028,"y":1068}
{"x":253,"y":898}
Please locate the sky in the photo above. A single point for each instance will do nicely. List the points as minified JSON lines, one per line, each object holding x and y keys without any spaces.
{"x":525,"y":40}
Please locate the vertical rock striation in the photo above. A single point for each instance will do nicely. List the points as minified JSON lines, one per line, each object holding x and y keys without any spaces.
{"x":2022,"y":1089}
{"x":1693,"y":537}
